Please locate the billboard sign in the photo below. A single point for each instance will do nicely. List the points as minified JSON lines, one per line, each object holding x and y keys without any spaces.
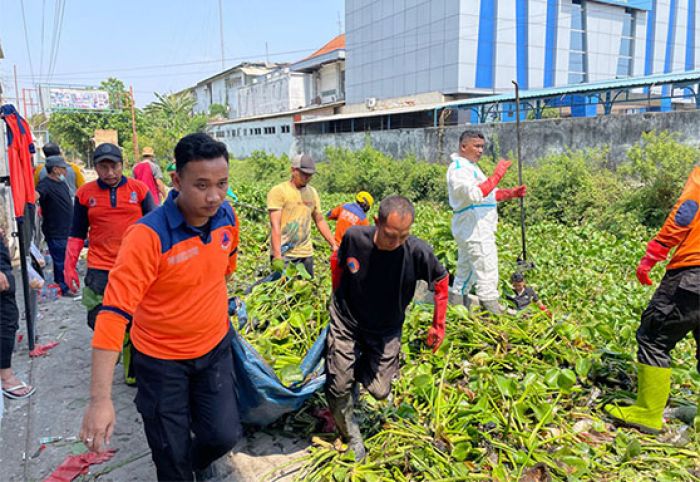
{"x":78,"y":99}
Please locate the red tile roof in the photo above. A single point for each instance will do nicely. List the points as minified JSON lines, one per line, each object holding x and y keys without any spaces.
{"x":335,"y":44}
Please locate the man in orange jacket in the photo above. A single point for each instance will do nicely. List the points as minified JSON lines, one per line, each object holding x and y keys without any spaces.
{"x":351,"y":214}
{"x":169,"y":282}
{"x":673,"y":312}
{"x":102,"y":211}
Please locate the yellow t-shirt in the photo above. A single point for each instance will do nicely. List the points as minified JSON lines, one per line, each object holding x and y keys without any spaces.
{"x":297,"y":206}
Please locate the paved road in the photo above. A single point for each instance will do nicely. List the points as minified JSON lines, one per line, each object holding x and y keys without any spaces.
{"x":56,"y":409}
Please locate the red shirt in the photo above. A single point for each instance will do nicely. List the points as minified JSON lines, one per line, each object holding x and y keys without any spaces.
{"x":102,"y":214}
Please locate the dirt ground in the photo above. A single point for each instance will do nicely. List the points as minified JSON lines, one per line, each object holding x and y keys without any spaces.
{"x":62,"y":388}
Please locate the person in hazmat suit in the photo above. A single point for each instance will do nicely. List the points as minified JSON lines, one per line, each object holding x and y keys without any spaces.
{"x":473,"y":198}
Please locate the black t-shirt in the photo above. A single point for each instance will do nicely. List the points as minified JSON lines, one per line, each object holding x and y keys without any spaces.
{"x":377,"y":286}
{"x":56,"y":208}
{"x":523,"y":299}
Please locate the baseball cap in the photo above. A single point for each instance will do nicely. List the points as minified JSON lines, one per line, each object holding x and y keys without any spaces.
{"x":107,"y":152}
{"x":55,"y":161}
{"x":304,"y":163}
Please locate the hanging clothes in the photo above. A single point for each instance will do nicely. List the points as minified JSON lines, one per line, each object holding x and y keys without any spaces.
{"x":20,"y":148}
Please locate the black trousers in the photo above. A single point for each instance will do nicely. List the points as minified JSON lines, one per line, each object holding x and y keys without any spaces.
{"x":353,"y":356}
{"x":96,"y":280}
{"x":178,"y":398}
{"x":9,"y":323}
{"x":673,"y":312}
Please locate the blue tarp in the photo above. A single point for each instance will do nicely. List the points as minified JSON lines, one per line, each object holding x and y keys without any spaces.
{"x":262,"y":397}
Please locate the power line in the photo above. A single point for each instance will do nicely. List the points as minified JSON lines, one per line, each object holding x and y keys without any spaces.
{"x":26,"y":40}
{"x":41,"y":54}
{"x":52,"y":65}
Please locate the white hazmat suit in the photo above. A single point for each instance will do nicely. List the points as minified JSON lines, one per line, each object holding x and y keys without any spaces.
{"x":474,"y":229}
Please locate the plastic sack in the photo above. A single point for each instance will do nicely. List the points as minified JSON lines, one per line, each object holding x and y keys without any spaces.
{"x":36,"y":254}
{"x":262,"y":397}
{"x":35,"y":280}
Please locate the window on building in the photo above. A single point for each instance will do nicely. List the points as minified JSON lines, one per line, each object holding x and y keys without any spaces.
{"x":625,"y":62}
{"x":578,"y":61}
{"x":284,"y":129}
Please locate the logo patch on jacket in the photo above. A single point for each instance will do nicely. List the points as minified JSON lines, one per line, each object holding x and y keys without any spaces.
{"x":353,"y":265}
{"x":226,"y":240}
{"x":133,"y":198}
{"x":92,"y":202}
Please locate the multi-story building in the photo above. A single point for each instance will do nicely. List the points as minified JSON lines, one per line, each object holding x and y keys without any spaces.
{"x":222,"y":88}
{"x":464,"y":48}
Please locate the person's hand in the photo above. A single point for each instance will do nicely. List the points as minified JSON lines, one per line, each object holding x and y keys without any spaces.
{"x":546,"y":311}
{"x":334,"y":246}
{"x":98,"y":425}
{"x":278,"y":265}
{"x":436,"y":335}
{"x":4,"y":282}
{"x":520,"y":191}
{"x":71,"y":278}
{"x":70,"y":266}
{"x":655,"y":252}
{"x":502,"y":167}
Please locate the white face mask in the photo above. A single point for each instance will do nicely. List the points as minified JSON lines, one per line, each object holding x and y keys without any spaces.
{"x":61,"y":177}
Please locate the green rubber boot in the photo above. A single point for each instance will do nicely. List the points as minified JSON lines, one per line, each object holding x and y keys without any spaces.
{"x":653,"y":387}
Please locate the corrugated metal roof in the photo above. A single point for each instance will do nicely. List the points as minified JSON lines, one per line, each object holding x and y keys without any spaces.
{"x":593,"y":87}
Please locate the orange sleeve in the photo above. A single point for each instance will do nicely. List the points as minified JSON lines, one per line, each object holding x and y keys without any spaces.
{"x":37,"y":172}
{"x":135,"y":269}
{"x":364,"y":222}
{"x":335,"y":212}
{"x":681,"y":219}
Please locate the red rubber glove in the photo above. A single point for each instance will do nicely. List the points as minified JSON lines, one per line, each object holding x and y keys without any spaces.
{"x":436,"y":333}
{"x":490,"y":184}
{"x":655,"y":252}
{"x":336,"y":271}
{"x":70,"y":272}
{"x":506,"y":194}
{"x":546,"y":311}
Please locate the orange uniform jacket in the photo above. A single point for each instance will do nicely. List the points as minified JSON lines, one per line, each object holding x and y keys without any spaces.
{"x":347,"y":215}
{"x":682,"y":227}
{"x":170,"y":282}
{"x":103,"y":214}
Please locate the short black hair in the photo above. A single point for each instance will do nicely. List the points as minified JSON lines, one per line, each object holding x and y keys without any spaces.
{"x":50,"y":169}
{"x":471,"y":134}
{"x":196,"y":147}
{"x":396,"y":204}
{"x":517,"y":277}
{"x":51,"y":149}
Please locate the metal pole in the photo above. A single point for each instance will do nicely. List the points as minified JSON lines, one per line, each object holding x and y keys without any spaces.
{"x":25,"y":282}
{"x":520,"y":169}
{"x":16,"y":87}
{"x":134,"y":136}
{"x":221,"y":33}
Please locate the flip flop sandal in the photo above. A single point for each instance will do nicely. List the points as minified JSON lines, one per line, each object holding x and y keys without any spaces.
{"x":9,"y":392}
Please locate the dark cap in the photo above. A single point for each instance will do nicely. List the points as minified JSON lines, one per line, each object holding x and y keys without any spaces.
{"x":107,"y":152}
{"x":304,"y":163}
{"x":517,"y":277}
{"x":51,"y":149}
{"x":55,"y":161}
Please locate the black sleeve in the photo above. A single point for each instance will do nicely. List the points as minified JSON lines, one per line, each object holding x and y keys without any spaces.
{"x":6,"y":265}
{"x":147,"y":205}
{"x":429,"y":268}
{"x":343,"y":249}
{"x":533,"y":295}
{"x":81,"y":222}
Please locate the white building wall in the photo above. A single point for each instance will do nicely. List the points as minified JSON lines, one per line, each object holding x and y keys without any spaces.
{"x":272,"y":93}
{"x":466,"y":43}
{"x":506,"y":46}
{"x":640,"y":43}
{"x":242,"y":139}
{"x":604,"y":34}
{"x":678,"y":63}
{"x":536,"y":36}
{"x":663,"y":8}
{"x":561,"y":73}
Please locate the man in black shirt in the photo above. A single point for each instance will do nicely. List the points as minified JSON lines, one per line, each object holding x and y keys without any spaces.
{"x":57,"y":215}
{"x":374,"y":279}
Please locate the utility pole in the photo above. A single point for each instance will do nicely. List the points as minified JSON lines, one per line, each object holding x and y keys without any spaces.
{"x":267,"y":54}
{"x":221,"y":33}
{"x":16,"y":87}
{"x":134,"y":137}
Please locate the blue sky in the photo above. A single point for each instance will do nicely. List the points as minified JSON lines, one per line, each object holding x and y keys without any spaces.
{"x":135,"y":40}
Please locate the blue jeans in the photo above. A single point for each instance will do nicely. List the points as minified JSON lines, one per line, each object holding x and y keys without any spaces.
{"x":57,"y":250}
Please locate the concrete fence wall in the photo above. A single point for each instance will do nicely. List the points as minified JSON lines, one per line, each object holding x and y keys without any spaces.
{"x":539,"y":138}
